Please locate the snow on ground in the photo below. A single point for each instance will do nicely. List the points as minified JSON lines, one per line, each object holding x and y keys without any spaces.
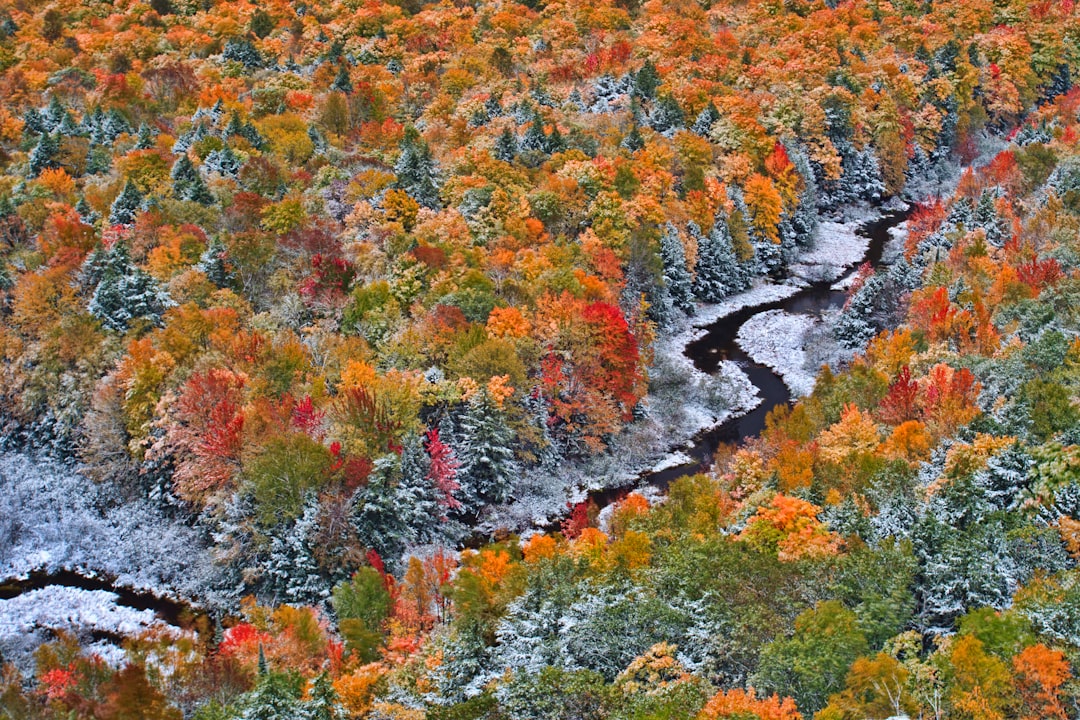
{"x":33,"y":617}
{"x":762,"y":293}
{"x":837,"y":247}
{"x":51,"y":518}
{"x":683,"y":402}
{"x":776,"y":339}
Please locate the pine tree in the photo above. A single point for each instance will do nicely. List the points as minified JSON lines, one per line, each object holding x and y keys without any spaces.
{"x":184,"y":176}
{"x":705,"y":120}
{"x":223,"y":162}
{"x":43,"y":155}
{"x":123,"y":293}
{"x":677,"y":278}
{"x":418,"y":498}
{"x":506,"y":147}
{"x":214,"y":264}
{"x":666,"y":115}
{"x":292,"y":571}
{"x":342,"y":83}
{"x":633,"y":140}
{"x":416,"y":171}
{"x":485,"y":450}
{"x":718,"y":272}
{"x":322,"y":700}
{"x":275,"y":697}
{"x":126,"y":205}
{"x":242,"y":50}
{"x":646,"y":81}
{"x":986,"y":217}
{"x":146,"y":137}
{"x":376,"y":517}
{"x":534,"y":139}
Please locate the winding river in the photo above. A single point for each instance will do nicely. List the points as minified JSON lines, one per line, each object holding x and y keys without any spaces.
{"x":716,"y":344}
{"x":719,"y":343}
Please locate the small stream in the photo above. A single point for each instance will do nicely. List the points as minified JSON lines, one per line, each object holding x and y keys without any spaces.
{"x":719,"y":343}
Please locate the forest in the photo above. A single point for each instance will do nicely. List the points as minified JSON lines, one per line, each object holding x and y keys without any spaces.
{"x":328,"y":321}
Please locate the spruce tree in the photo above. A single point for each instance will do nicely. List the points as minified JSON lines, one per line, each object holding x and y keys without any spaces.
{"x":416,"y":171}
{"x":666,"y":115}
{"x":123,"y":292}
{"x":292,"y":570}
{"x":633,"y":140}
{"x":506,"y":147}
{"x":126,"y":205}
{"x":485,"y":450}
{"x":646,"y":81}
{"x":718,"y":272}
{"x":677,"y":277}
{"x":43,"y":155}
{"x":342,"y":83}
{"x":535,"y":139}
{"x":705,"y":120}
{"x":214,"y":264}
{"x":146,"y":137}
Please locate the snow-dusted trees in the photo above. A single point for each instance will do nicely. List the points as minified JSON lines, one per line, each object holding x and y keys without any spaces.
{"x":718,"y":272}
{"x":484,"y":447}
{"x":415,"y":169}
{"x":677,"y":277}
{"x":123,"y":293}
{"x":126,"y":205}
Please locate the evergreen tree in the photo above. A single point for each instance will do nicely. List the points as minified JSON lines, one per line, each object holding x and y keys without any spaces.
{"x":33,"y":123}
{"x":677,"y":278}
{"x":126,"y":205}
{"x":705,"y":120}
{"x":86,"y":213}
{"x":342,"y":83}
{"x":416,"y":171}
{"x":633,"y":140}
{"x":986,"y":217}
{"x":242,"y":50}
{"x":666,"y":115}
{"x":275,"y":697}
{"x":506,"y":147}
{"x":261,"y":24}
{"x":646,"y":81}
{"x":535,"y":139}
{"x":223,"y":162}
{"x":184,"y":176}
{"x":485,"y":450}
{"x":114,"y":125}
{"x":146,"y":136}
{"x":123,"y":293}
{"x":718,"y":272}
{"x":99,"y":160}
{"x":54,"y":114}
{"x":292,"y":571}
{"x":418,"y":498}
{"x":378,"y":516}
{"x":44,"y":154}
{"x":322,"y":700}
{"x":492,"y":107}
{"x":214,"y":264}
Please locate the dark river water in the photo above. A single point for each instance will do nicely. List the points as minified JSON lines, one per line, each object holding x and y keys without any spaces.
{"x":717,"y":344}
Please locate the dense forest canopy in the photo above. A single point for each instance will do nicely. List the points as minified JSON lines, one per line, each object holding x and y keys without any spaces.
{"x":324,"y":284}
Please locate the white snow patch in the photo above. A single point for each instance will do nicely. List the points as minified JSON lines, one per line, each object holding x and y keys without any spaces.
{"x":675,"y":459}
{"x":33,"y":617}
{"x":837,"y":247}
{"x":52,"y":518}
{"x":776,"y":339}
{"x":762,"y":293}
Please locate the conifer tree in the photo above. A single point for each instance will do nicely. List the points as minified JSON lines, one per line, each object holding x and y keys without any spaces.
{"x":718,"y":272}
{"x":416,"y":171}
{"x":677,"y":278}
{"x":705,"y":120}
{"x":506,"y":147}
{"x":485,"y":450}
{"x":126,"y":205}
